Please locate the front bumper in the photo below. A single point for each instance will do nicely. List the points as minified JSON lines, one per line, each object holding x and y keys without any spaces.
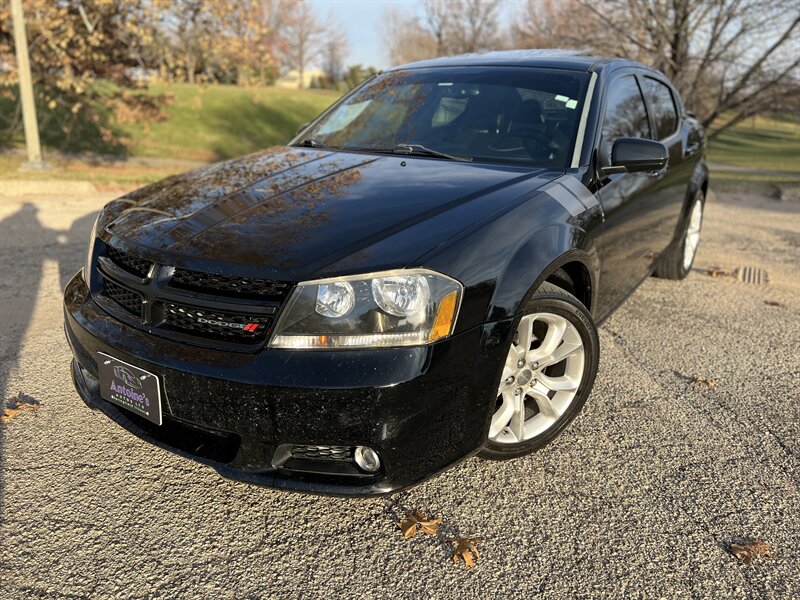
{"x":422,"y":409}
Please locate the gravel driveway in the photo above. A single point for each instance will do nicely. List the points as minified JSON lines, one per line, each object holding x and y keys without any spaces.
{"x":690,"y":440}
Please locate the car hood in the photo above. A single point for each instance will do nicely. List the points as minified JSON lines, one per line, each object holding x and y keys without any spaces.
{"x":294,"y":213}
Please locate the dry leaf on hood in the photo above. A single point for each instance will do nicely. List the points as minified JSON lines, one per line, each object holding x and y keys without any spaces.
{"x":416,"y":520}
{"x":747,"y":551}
{"x":466,"y":550}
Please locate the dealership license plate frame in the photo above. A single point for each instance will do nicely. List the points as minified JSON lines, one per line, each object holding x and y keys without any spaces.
{"x":144,"y":387}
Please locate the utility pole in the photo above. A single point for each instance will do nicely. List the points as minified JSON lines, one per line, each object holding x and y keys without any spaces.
{"x":26,"y":89}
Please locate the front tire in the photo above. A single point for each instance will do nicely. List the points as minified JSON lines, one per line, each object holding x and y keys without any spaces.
{"x":547,"y":376}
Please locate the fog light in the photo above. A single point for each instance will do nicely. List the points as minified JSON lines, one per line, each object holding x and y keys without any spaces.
{"x":367,"y":459}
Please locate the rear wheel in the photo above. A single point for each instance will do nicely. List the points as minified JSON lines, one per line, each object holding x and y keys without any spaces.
{"x":547,"y":376}
{"x":677,"y":263}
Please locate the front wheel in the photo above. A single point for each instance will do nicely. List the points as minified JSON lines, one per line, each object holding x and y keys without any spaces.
{"x":547,"y":376}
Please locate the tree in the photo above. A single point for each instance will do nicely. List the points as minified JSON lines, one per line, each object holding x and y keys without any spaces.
{"x":448,"y":27}
{"x":334,"y":51}
{"x":356,"y":74}
{"x":406,"y":39}
{"x":74,"y":44}
{"x":735,"y":58}
{"x":303,"y":39}
{"x":193,"y":29}
{"x":473,"y":25}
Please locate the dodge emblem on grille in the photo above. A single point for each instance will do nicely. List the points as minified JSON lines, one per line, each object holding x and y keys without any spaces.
{"x":244,"y":326}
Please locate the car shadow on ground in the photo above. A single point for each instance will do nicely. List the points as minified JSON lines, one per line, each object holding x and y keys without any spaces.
{"x":28,"y":243}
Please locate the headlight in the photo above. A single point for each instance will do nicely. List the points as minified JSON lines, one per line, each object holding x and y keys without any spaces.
{"x":408,"y":307}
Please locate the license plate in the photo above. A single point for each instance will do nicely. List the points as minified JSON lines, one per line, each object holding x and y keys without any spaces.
{"x":130,"y":387}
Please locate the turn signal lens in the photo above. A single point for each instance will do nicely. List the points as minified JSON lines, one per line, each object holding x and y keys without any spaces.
{"x":445,"y":316}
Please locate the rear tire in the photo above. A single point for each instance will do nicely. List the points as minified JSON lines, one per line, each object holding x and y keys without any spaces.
{"x":548,"y":374}
{"x":678,"y":261}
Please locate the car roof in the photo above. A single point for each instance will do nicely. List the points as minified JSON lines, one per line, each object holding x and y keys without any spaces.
{"x":576,"y":60}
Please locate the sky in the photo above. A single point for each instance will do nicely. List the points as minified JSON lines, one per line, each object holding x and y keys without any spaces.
{"x":362,"y":19}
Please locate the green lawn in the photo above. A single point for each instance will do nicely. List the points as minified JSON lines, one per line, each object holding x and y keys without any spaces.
{"x":203,"y":123}
{"x":770,"y":143}
{"x":221,"y":121}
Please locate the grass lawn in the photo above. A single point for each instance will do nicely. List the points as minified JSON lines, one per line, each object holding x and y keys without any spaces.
{"x":203,"y":124}
{"x":220,"y":121}
{"x":769,"y":142}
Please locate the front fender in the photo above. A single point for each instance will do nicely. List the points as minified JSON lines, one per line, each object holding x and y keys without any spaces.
{"x":540,"y":256}
{"x":501,"y":261}
{"x":535,"y":262}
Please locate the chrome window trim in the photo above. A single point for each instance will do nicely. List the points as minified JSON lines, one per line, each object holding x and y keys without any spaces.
{"x":576,"y":155}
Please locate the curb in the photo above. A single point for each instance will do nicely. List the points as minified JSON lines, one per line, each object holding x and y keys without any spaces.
{"x":23,"y":187}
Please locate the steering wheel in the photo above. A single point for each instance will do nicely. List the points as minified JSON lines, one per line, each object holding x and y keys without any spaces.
{"x":534,"y":142}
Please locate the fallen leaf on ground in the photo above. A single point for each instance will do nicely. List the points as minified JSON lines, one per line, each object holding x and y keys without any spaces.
{"x":466,"y":550}
{"x":18,"y":405}
{"x":416,"y":520}
{"x":717,"y":272}
{"x":747,"y":551}
{"x":774,"y":303}
{"x":711,"y":383}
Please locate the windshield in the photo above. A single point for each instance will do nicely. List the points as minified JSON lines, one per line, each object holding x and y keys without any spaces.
{"x":514,"y":115}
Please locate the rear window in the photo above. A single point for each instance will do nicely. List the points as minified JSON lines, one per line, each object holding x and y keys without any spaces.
{"x":662,"y":104}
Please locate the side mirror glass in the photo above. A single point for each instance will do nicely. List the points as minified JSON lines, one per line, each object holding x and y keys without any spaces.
{"x":635,"y":155}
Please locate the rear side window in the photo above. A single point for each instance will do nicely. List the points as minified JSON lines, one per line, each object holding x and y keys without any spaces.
{"x":662,"y":103}
{"x":625,"y":114}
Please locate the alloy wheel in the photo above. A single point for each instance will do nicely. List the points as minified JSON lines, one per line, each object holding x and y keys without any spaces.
{"x":541,"y":377}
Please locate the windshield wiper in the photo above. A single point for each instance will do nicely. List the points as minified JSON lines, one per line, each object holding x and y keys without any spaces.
{"x":421,"y":150}
{"x":312,"y":143}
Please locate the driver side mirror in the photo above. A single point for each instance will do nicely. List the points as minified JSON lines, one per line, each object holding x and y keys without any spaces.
{"x":635,"y":155}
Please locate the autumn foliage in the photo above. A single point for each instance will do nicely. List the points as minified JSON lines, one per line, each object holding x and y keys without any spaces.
{"x":90,"y":58}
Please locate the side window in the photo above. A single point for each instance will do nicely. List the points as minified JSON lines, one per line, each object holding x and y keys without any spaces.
{"x":625,"y":114}
{"x":662,"y":103}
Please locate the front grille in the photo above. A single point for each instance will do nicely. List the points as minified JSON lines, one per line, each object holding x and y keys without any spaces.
{"x":129,"y":262}
{"x":339,"y":453}
{"x":127,"y":299}
{"x":158,"y":306}
{"x":215,"y":324}
{"x":226,"y":285}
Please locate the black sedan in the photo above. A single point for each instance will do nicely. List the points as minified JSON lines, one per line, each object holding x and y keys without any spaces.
{"x":415,"y":278}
